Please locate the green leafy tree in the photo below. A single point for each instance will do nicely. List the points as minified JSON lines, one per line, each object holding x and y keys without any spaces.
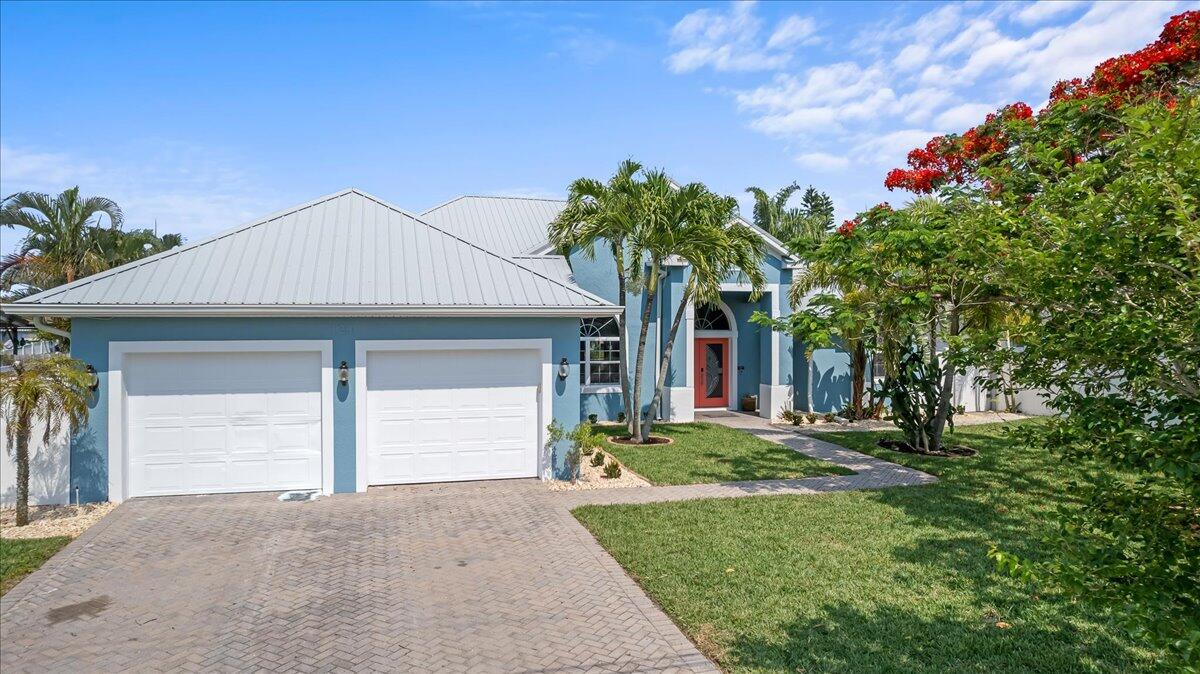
{"x":600,"y":213}
{"x":51,"y":389}
{"x":1096,"y":201}
{"x":1106,"y":263}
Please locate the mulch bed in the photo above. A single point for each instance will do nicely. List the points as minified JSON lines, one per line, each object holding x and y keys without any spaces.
{"x":901,"y":446}
{"x":628,"y":440}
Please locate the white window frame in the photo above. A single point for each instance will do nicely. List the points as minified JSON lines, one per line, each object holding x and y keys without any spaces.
{"x":585,"y":363}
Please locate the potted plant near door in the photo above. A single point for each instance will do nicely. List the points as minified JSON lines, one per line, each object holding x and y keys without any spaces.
{"x":749,"y":403}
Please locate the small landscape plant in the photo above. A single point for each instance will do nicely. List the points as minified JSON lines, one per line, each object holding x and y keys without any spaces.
{"x":828,"y":417}
{"x":598,"y":459}
{"x":612,"y":469}
{"x":812,"y":417}
{"x":789,"y":416}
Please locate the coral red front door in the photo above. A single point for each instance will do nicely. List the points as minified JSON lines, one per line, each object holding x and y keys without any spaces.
{"x":712,"y":378}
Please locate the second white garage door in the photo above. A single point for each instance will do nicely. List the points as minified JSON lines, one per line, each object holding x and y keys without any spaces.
{"x":437,"y":416}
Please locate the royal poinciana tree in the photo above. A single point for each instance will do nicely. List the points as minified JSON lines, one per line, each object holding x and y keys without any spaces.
{"x":1090,"y":209}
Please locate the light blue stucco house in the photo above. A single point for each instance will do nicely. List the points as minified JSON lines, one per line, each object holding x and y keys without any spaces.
{"x":346,"y":342}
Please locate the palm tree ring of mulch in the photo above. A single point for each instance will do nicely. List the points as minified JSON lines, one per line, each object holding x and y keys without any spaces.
{"x":952,"y":452}
{"x":628,"y":440}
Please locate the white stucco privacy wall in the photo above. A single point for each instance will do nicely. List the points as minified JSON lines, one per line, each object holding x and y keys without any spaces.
{"x":49,"y":468}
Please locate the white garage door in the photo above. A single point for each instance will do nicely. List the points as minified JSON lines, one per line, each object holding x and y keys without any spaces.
{"x":202,"y":423}
{"x":436,"y":416}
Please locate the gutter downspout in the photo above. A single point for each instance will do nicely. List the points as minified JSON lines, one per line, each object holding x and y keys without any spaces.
{"x":37,"y":323}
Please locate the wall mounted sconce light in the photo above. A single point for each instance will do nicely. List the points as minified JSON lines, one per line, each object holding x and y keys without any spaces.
{"x":563,"y":369}
{"x":93,"y":378}
{"x":343,"y":374}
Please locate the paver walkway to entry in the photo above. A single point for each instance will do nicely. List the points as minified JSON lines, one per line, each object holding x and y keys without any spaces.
{"x":485,"y":576}
{"x":869,"y":472}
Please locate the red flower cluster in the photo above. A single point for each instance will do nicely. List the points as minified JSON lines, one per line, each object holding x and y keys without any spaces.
{"x":1120,"y":76}
{"x":847,"y":227}
{"x":945,"y":160}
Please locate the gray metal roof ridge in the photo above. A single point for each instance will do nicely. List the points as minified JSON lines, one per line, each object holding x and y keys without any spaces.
{"x":460,"y":197}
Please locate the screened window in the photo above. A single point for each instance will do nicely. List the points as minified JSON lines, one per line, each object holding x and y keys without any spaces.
{"x":711,"y":318}
{"x":599,"y":351}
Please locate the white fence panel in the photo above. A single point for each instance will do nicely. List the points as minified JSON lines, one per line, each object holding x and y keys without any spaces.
{"x":49,"y":467}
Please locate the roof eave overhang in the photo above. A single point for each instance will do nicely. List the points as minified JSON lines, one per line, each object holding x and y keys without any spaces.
{"x":243,"y":310}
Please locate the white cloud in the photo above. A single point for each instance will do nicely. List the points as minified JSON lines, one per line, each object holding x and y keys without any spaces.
{"x":20,"y":166}
{"x":731,"y":41}
{"x":912,"y":57}
{"x":192,"y":189}
{"x":890,"y":149}
{"x":792,"y":31}
{"x":964,"y":116}
{"x":1042,"y":10}
{"x":823,"y":161}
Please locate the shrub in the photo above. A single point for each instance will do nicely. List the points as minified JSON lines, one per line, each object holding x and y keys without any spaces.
{"x":960,"y":409}
{"x":789,"y":416}
{"x":828,"y":417}
{"x":612,"y":469}
{"x":812,"y":417}
{"x":598,"y":459}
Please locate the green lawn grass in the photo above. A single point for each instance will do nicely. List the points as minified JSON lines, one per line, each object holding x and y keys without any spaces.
{"x":886,"y":581}
{"x":21,"y":557}
{"x":711,"y":453}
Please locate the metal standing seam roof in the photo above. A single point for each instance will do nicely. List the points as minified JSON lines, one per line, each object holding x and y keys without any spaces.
{"x":508,"y":225}
{"x":346,"y":252}
{"x":554,"y":266}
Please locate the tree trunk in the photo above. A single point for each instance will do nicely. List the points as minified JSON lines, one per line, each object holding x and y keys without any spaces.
{"x":635,"y":432}
{"x":665,"y":364}
{"x":858,"y":370}
{"x":623,"y":337}
{"x":946,"y":392}
{"x":24,"y":427}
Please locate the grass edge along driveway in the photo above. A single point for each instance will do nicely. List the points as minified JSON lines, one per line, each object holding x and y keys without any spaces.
{"x":875,"y":581}
{"x":706,"y":453}
{"x":20,"y":557}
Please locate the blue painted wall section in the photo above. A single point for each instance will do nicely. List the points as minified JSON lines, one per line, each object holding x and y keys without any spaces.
{"x":91,"y":337}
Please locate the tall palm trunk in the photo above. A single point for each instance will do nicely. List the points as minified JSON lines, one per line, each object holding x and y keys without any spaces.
{"x":635,"y":430}
{"x":623,"y":336}
{"x":24,"y":426}
{"x":661,"y":380}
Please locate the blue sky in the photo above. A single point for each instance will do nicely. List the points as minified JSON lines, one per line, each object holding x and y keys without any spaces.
{"x":204,"y":116}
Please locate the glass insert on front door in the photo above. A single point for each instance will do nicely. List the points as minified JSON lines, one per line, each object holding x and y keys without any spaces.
{"x":714,"y":370}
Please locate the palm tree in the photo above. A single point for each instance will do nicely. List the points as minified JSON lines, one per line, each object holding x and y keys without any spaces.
{"x":694,"y":224}
{"x":60,"y":246}
{"x":811,"y":220}
{"x":770,"y":212}
{"x":604,"y":213}
{"x":53,"y":389}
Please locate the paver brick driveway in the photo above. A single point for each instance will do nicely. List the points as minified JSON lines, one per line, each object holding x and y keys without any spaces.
{"x":469,"y":577}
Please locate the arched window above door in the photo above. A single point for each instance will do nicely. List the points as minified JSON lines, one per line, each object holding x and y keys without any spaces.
{"x":711,"y":318}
